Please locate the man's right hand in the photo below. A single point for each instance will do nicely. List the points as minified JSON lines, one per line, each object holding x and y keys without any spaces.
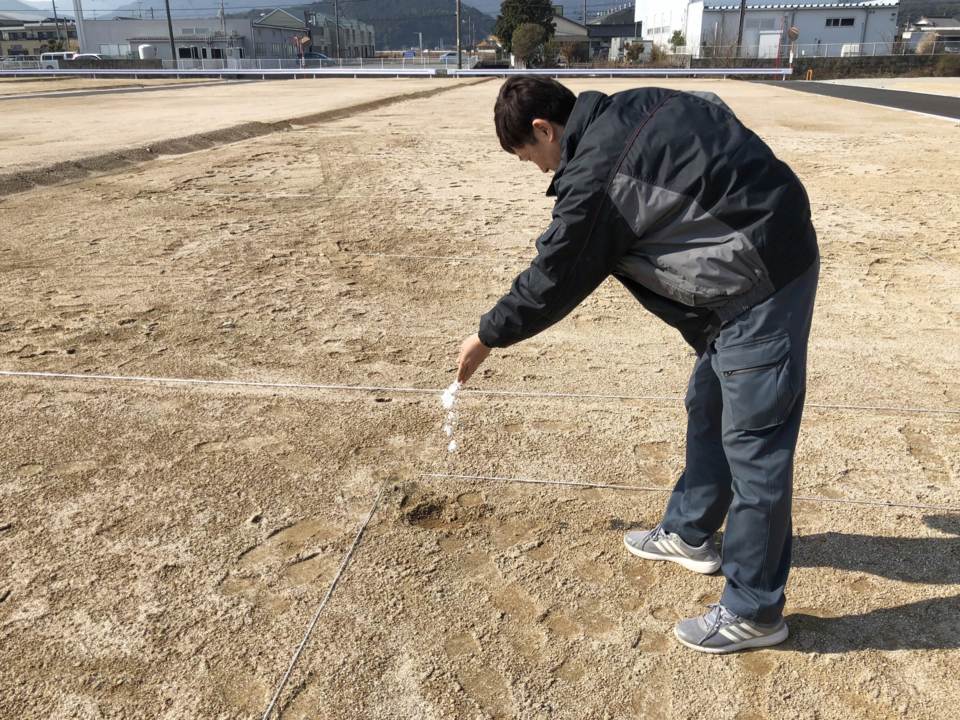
{"x":472,"y":354}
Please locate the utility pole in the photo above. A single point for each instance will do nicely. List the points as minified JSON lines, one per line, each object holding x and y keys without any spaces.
{"x":56,"y":24}
{"x":81,"y":35}
{"x":173,"y":45}
{"x":584,"y":12}
{"x":336,"y":23}
{"x":459,"y":46}
{"x":743,"y":14}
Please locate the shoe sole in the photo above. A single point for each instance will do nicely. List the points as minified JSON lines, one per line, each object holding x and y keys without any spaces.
{"x":703,"y":567}
{"x":766,"y":641}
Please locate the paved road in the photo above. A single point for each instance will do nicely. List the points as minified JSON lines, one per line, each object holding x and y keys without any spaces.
{"x":941,"y":105}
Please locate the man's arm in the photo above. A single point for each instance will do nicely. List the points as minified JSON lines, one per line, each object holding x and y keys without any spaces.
{"x":570,"y":264}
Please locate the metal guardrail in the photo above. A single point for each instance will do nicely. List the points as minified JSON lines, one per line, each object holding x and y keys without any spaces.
{"x":626,"y":72}
{"x":316,"y":64}
{"x":263,"y":73}
{"x":357,"y":72}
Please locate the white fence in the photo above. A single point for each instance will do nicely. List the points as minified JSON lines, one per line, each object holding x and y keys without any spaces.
{"x":611,"y":72}
{"x":391,"y":64}
{"x":805,"y":50}
{"x":357,"y":72}
{"x":20,"y":65}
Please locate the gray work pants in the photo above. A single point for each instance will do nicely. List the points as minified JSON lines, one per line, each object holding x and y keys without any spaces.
{"x":744,"y":404}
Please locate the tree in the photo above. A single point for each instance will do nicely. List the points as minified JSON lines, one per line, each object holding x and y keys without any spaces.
{"x":575,"y":52}
{"x":677,"y":40}
{"x":928,"y":43}
{"x":527,"y":39}
{"x":514,"y":13}
{"x":634,"y":52}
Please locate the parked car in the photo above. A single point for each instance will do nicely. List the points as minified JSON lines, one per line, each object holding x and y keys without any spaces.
{"x":318,"y":58}
{"x":448,"y":57}
{"x":57,"y":56}
{"x":86,"y":56}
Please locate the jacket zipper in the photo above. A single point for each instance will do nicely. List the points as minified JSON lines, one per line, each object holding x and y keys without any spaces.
{"x":728,"y":373}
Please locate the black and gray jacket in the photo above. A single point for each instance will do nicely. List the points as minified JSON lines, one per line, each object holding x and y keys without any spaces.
{"x":668,"y":192}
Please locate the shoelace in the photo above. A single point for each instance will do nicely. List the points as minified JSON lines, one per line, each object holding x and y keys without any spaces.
{"x":723,"y":616}
{"x":658,"y":532}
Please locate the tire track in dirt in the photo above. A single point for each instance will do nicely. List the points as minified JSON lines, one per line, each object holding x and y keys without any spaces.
{"x":73,"y":170}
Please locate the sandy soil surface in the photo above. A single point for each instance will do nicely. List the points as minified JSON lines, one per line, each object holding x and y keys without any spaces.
{"x":932,"y":85}
{"x":162,"y":548}
{"x":34,"y":132}
{"x":21,"y":86}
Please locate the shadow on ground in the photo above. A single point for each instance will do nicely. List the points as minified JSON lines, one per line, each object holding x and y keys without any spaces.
{"x":930,"y":624}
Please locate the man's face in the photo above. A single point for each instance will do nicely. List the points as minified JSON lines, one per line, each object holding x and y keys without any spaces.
{"x":544,"y":151}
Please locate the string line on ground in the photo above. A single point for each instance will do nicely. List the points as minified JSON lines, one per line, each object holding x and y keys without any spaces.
{"x":640,"y":488}
{"x":672,"y":399}
{"x":316,"y":616}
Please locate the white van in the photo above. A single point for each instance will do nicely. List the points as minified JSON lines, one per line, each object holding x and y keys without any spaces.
{"x":51,"y":60}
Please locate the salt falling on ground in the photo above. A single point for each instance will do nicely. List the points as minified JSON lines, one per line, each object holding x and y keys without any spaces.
{"x":449,"y":400}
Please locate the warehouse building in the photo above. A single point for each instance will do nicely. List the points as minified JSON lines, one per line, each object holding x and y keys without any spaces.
{"x":825,"y":29}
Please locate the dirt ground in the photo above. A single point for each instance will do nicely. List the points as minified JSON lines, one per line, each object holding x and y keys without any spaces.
{"x":934,"y":86}
{"x":20,"y":86}
{"x":163,"y":547}
{"x":37,"y":132}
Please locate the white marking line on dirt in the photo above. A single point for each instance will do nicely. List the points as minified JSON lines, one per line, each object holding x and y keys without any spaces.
{"x":323,"y":603}
{"x":640,"y":488}
{"x":434,"y":391}
{"x":448,"y":258}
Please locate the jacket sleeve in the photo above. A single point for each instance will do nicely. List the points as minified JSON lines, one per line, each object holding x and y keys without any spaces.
{"x":571,"y":262}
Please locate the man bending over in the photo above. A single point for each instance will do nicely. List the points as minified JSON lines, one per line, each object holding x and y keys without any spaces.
{"x":669,"y":193}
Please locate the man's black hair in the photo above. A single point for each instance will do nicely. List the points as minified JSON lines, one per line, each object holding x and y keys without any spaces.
{"x":526,"y":97}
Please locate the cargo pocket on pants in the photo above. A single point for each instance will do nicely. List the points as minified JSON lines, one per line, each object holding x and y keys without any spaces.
{"x":755,"y":379}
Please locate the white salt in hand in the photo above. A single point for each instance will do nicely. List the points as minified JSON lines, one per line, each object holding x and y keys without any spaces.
{"x":449,"y":401}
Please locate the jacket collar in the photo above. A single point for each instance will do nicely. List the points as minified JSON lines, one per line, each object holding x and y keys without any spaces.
{"x":586,"y":109}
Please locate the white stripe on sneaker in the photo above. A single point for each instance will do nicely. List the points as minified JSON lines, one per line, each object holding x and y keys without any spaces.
{"x":670,"y":546}
{"x":753,"y":631}
{"x":730,"y":635}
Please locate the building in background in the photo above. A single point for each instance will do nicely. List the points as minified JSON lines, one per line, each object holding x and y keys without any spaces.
{"x":938,"y":30}
{"x":826,"y":28}
{"x":27,"y":38}
{"x":610,"y":34}
{"x":262,"y":34}
{"x":273,"y":34}
{"x":568,"y":31}
{"x":357,"y":39}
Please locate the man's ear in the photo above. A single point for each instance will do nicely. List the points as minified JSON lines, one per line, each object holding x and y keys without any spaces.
{"x":543,"y":128}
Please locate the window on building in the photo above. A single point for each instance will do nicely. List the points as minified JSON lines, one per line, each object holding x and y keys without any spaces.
{"x":840,"y":22}
{"x":216,"y":53}
{"x":183,"y":53}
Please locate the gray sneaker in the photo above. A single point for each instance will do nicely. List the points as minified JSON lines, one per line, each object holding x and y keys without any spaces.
{"x":658,"y":544}
{"x":721,"y":631}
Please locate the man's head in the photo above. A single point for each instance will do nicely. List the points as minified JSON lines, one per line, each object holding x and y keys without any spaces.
{"x":530,"y":115}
